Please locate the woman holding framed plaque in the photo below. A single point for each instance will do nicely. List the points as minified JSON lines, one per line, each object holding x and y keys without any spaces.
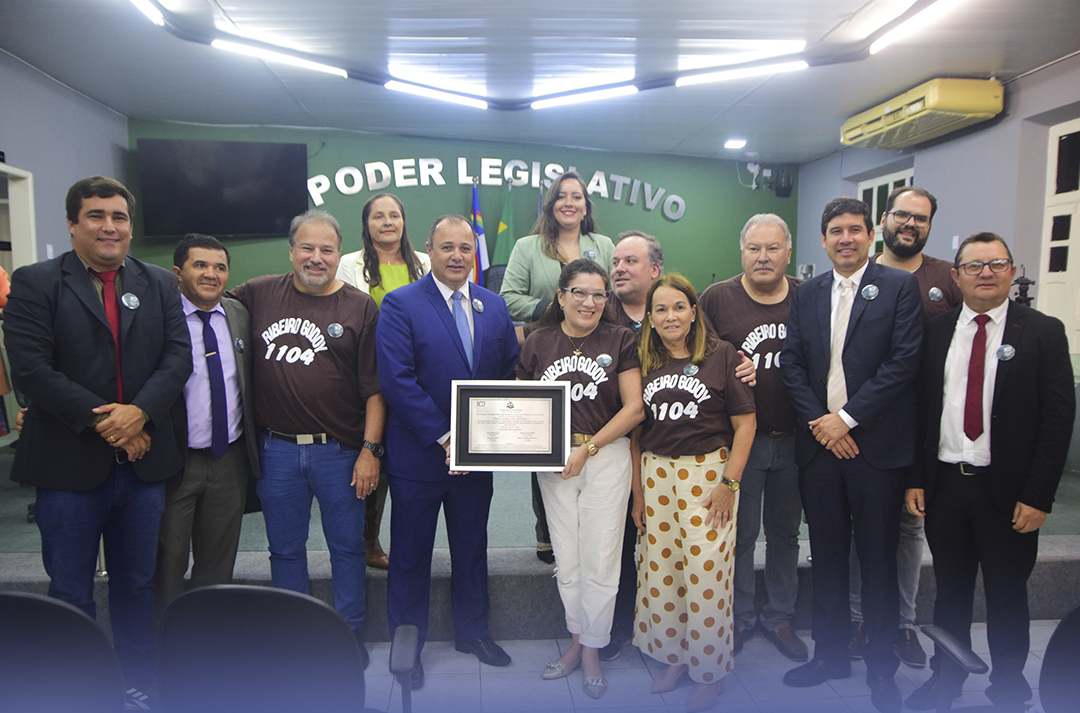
{"x":695,"y":440}
{"x":578,"y":341}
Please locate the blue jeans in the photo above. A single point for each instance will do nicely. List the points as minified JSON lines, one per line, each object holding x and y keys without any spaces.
{"x":770,"y":471}
{"x":291,"y":475}
{"x":127,"y":512}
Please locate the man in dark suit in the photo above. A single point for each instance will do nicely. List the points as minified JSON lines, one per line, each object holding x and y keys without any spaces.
{"x":997,"y":407}
{"x":215,"y":422}
{"x":849,"y":362}
{"x":438,"y":329}
{"x":98,"y":345}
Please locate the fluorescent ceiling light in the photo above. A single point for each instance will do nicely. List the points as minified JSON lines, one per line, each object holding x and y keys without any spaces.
{"x":719,"y":53}
{"x":434,"y":94}
{"x":734,"y":143}
{"x":150,"y":11}
{"x":272,"y":56}
{"x":728,"y":74}
{"x":460,"y":73}
{"x":916,"y":22}
{"x":553,"y":76}
{"x":585,"y":97}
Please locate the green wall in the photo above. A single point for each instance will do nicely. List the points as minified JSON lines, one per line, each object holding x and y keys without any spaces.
{"x":701,"y":244}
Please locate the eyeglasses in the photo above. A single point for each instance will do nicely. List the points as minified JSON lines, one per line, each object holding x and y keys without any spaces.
{"x":976,"y":267}
{"x":902,"y":216}
{"x":581,"y":295}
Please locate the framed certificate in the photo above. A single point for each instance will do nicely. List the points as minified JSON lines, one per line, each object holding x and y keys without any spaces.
{"x":509,"y":425}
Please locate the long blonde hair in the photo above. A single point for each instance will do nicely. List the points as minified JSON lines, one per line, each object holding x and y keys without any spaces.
{"x":701,"y":341}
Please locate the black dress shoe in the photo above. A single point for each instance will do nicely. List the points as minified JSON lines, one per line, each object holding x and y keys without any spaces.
{"x":546,"y":556}
{"x":619,"y":641}
{"x":884,"y":695}
{"x":486,"y":650}
{"x":816,"y":672}
{"x":924,"y":698}
{"x":416,"y":676}
{"x":908,"y":648}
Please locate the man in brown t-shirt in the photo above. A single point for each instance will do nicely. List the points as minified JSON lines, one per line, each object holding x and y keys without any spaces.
{"x":319,"y":411}
{"x":750,"y":311}
{"x":905,"y":227}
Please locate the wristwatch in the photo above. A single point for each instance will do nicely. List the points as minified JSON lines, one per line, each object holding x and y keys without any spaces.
{"x":376,"y":449}
{"x":733,"y":484}
{"x":593,"y":450}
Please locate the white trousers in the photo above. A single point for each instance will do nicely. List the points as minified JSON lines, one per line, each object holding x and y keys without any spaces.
{"x":587,"y":516}
{"x":684,"y":595}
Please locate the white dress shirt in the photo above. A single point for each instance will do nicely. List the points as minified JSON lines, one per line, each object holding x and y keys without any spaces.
{"x":856,"y":277}
{"x":954,"y":446}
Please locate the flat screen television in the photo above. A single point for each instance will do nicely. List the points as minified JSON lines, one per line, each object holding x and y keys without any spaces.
{"x":225,"y":189}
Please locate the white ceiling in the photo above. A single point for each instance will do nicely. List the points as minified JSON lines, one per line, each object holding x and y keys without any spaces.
{"x":508,"y":49}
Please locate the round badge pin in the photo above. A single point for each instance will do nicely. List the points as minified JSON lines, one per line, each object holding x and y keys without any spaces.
{"x":604,"y":360}
{"x":478,"y":306}
{"x":870,"y":292}
{"x":591,"y":254}
{"x":1006,"y":352}
{"x":239,"y":343}
{"x":690,"y":369}
{"x":130,"y":301}
{"x":335,"y":330}
{"x":935,"y":294}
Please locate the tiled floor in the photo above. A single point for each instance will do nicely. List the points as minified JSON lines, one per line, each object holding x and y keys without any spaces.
{"x":458,"y":683}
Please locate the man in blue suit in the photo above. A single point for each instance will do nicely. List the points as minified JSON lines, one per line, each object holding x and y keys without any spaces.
{"x":849,"y":364}
{"x":433,"y":331}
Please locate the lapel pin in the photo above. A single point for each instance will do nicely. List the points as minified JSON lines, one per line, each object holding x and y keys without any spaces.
{"x":335,"y":330}
{"x":690,"y":369}
{"x":935,"y":294}
{"x":477,"y":305}
{"x":870,"y":292}
{"x":1006,"y":352}
{"x":239,"y":343}
{"x":130,"y":301}
{"x":604,"y":360}
{"x":591,"y":254}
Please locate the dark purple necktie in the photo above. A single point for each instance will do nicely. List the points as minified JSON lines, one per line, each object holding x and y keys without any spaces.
{"x":973,"y":404}
{"x":219,"y":414}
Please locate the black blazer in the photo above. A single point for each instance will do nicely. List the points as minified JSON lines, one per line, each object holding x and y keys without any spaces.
{"x":881,"y":361}
{"x":63,"y":358}
{"x":1032,"y":413}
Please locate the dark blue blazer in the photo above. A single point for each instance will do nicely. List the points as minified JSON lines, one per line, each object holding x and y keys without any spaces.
{"x":881,"y":361}
{"x":1031,"y":419}
{"x":420,"y":353}
{"x":63,"y":358}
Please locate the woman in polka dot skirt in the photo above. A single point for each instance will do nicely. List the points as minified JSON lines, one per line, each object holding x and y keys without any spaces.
{"x":698,"y":429}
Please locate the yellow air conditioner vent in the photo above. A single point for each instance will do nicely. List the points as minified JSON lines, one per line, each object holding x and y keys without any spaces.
{"x":926,"y":112}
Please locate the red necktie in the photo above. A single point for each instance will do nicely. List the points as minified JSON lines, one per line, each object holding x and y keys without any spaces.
{"x":112,"y":313}
{"x":973,"y":404}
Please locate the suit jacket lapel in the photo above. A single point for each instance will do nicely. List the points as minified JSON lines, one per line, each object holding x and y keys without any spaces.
{"x":479,"y":332}
{"x":443,"y":311}
{"x":1014,"y":327}
{"x":81,"y":284}
{"x":859,"y":303}
{"x":824,"y":309}
{"x":134,"y":283}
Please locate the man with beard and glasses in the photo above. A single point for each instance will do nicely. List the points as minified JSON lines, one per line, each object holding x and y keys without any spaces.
{"x":319,"y":411}
{"x":905,"y":227}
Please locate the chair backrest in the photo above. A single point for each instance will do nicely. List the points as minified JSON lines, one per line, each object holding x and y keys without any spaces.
{"x":1059,"y":680}
{"x":55,"y":658}
{"x":235,"y":648}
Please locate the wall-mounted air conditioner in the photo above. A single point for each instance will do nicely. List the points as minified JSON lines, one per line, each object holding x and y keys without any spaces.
{"x":926,"y":112}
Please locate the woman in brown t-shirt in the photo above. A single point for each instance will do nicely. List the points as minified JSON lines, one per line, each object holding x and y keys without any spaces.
{"x":577,"y":341}
{"x":698,"y":429}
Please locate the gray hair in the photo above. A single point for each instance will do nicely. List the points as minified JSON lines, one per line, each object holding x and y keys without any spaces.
{"x":765,"y":219}
{"x":313,"y":216}
{"x":656,"y":253}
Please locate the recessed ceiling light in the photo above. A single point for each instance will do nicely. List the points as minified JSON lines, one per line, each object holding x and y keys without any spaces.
{"x":271,"y":56}
{"x":734,"y":143}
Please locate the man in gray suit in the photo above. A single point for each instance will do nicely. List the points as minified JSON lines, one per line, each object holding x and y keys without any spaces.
{"x":204,"y":502}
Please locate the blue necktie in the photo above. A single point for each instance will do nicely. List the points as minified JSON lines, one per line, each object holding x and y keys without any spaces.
{"x":463,"y":325}
{"x":219,"y":414}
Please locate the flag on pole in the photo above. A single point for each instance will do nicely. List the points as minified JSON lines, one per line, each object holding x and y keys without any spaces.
{"x":480,"y":262}
{"x":504,"y":245}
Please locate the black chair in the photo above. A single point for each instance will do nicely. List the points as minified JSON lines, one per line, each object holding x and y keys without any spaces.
{"x":55,"y":658}
{"x":241,"y":649}
{"x":403,"y":660}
